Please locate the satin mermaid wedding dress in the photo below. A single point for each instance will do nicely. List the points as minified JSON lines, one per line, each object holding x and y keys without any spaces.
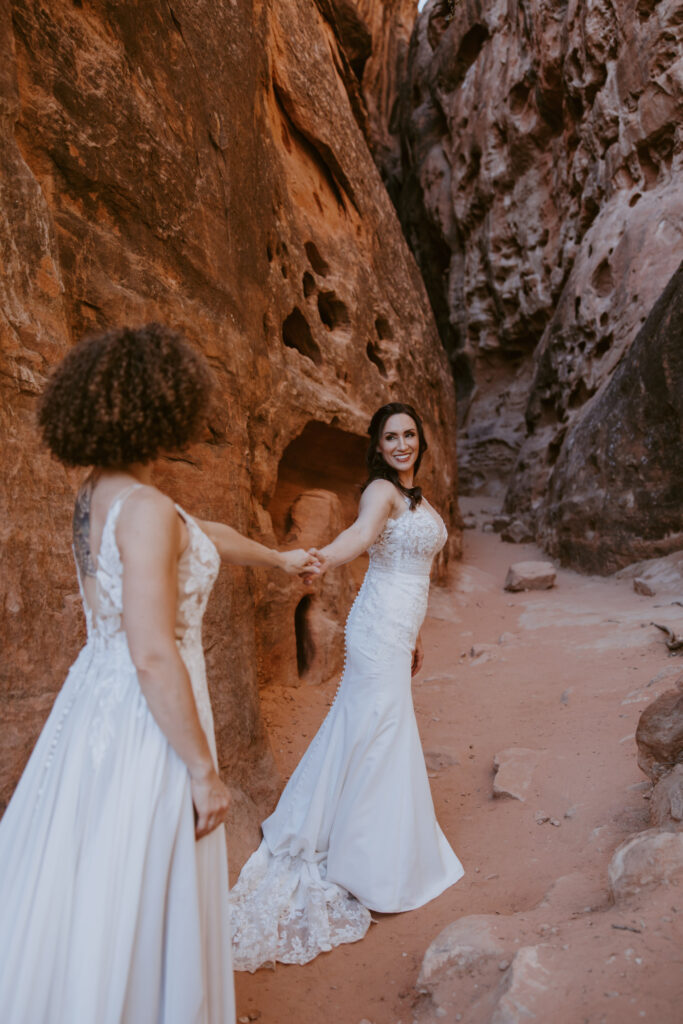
{"x":112,"y":913}
{"x":355,"y":829}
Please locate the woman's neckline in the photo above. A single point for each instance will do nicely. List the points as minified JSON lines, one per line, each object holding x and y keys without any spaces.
{"x":429,"y":509}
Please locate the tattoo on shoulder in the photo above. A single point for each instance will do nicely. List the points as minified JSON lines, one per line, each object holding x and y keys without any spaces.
{"x":81,"y":532}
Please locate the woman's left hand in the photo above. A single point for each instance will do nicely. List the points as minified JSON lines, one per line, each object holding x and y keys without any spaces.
{"x":418,"y":657}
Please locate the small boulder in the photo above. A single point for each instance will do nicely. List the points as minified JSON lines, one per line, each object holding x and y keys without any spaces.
{"x":659,"y":735}
{"x":439,"y":761}
{"x":642,"y":587}
{"x":517,"y":533}
{"x":514,"y":770}
{"x":530,"y":576}
{"x":524,"y":995}
{"x":653,"y":857}
{"x":459,"y":947}
{"x":469,"y":521}
{"x":666,"y":802}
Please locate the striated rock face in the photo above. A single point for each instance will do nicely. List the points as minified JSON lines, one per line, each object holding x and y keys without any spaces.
{"x":390,"y":24}
{"x":202,"y":164}
{"x":615,"y":492}
{"x":543,"y":196}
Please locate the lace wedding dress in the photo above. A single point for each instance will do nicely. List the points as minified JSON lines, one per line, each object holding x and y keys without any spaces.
{"x":112,"y":913}
{"x":355,"y":829}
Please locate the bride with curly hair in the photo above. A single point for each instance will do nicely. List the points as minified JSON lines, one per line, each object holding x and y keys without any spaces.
{"x":113,"y":865}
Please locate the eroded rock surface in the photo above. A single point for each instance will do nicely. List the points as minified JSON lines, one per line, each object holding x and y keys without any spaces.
{"x":560,"y":962}
{"x":666,"y":802}
{"x":203,"y":165}
{"x":542,"y":193}
{"x":650,"y":858}
{"x":615,"y":492}
{"x":660,"y":734}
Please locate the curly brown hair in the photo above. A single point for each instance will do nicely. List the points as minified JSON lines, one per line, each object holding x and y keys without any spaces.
{"x":125,"y":396}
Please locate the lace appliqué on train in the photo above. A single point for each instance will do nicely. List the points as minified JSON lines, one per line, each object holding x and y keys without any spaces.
{"x":283,"y":909}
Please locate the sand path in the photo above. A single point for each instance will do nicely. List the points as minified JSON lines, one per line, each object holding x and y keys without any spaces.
{"x":564,"y":673}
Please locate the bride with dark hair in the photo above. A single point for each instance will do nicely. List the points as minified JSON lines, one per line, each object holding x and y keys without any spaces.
{"x":355,"y":829}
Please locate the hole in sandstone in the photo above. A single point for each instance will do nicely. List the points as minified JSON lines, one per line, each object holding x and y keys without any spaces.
{"x":308,"y":283}
{"x":645,"y":8}
{"x":332,"y":310}
{"x":517,"y":97}
{"x":283,"y":270}
{"x":603,"y":345}
{"x":269,"y":253}
{"x":374,"y":357}
{"x":580,"y":395}
{"x":316,"y":260}
{"x":602,"y":279}
{"x":555,"y":446}
{"x":305,"y":647}
{"x":297,"y":334}
{"x":574,"y":106}
{"x":634,"y":199}
{"x":383,"y":328}
{"x":603,"y":319}
{"x":320,"y":457}
{"x":648,"y":167}
{"x":471,"y":46}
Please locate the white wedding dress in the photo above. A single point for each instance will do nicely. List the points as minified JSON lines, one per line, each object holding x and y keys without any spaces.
{"x":355,"y":829}
{"x":111,"y":912}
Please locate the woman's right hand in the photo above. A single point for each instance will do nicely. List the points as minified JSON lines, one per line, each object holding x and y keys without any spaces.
{"x":211,"y":799}
{"x":298,"y":562}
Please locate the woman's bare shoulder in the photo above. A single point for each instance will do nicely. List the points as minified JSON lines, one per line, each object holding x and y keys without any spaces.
{"x":381,"y":488}
{"x":146,"y":513}
{"x":382,"y":493}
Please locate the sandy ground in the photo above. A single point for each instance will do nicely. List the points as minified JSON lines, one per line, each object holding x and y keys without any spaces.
{"x":565,"y":673}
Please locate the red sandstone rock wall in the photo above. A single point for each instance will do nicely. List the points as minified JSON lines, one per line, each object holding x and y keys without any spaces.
{"x":201,"y":164}
{"x":542,"y":193}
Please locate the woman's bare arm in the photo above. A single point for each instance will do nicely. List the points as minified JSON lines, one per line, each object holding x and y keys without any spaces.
{"x":150,"y":535}
{"x":237,"y":549}
{"x":376,"y":505}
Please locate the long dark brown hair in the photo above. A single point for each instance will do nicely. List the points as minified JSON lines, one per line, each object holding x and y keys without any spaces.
{"x":378,"y":469}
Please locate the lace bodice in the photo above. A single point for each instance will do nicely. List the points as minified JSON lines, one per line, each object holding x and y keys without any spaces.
{"x":107,"y":646}
{"x":197,"y":570}
{"x":408,"y":543}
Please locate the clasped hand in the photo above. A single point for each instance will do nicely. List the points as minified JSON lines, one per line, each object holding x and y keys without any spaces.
{"x":317,"y":566}
{"x":305,"y":564}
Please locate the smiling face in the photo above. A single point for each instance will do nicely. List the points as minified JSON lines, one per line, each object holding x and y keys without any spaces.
{"x":399,"y":443}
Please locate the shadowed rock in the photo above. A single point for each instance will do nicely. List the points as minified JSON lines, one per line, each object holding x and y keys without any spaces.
{"x":659,"y":734}
{"x":542,"y":194}
{"x":616,"y":490}
{"x":666,"y":802}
